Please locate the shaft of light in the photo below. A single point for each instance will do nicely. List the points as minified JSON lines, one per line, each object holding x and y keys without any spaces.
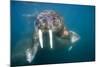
{"x":41,"y":38}
{"x":51,"y":36}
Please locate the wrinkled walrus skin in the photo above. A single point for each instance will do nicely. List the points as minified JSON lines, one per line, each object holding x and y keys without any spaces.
{"x":49,"y":21}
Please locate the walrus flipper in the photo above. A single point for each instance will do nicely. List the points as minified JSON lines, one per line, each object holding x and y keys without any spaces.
{"x":31,"y":52}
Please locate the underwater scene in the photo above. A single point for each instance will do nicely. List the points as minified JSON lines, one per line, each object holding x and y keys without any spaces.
{"x":51,"y":33}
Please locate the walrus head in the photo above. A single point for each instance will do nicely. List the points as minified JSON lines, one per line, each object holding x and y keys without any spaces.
{"x":51,"y":22}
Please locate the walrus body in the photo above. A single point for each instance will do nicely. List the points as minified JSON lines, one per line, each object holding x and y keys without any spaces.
{"x":49,"y":21}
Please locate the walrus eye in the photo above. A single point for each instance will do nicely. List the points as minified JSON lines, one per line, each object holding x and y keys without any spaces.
{"x":54,"y":18}
{"x":44,"y":20}
{"x":40,"y":17}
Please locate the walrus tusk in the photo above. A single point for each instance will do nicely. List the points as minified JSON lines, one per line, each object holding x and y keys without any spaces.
{"x":40,"y":38}
{"x":50,"y":36}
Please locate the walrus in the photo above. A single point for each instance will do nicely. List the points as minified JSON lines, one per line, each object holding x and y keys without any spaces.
{"x":49,"y":21}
